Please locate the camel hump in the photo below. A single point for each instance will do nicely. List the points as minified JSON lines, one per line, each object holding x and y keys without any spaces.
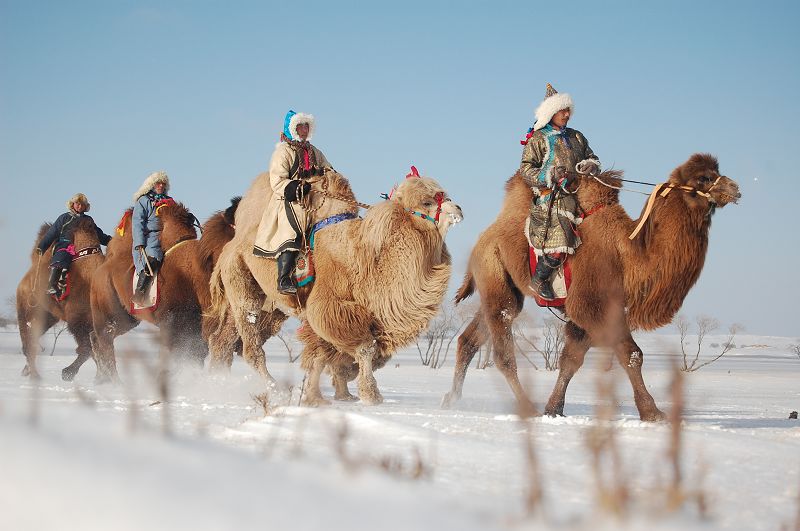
{"x":467,"y":288}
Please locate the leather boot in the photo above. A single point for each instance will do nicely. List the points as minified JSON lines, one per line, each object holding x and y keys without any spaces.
{"x":286,"y":262}
{"x":52,"y":283}
{"x":142,"y":284}
{"x":540,"y":282}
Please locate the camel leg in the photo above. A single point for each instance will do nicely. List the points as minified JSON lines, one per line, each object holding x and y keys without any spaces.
{"x":367,"y":385}
{"x":469,"y":342}
{"x":252,"y":349}
{"x":313,"y":395}
{"x":109,"y":320}
{"x":223,"y":343}
{"x":576,"y":344}
{"x":339,"y":381}
{"x":499,"y":313}
{"x":80,"y":332}
{"x":40,"y":322}
{"x":631,"y":358}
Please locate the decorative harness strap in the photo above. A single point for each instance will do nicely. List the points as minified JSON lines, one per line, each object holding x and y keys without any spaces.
{"x":86,"y":251}
{"x":180,"y":242}
{"x":667,"y":188}
{"x":332,"y":220}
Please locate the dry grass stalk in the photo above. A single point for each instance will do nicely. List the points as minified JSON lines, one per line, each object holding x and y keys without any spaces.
{"x":675,"y":492}
{"x":395,"y":465}
{"x":534,"y":492}
{"x":613,"y":494}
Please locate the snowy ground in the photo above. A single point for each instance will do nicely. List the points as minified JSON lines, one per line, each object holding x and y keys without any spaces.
{"x":77,"y":456}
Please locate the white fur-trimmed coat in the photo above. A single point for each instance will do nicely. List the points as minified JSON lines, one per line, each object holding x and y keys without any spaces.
{"x":283,"y":223}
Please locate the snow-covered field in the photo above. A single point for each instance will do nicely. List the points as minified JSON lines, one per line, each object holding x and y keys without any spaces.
{"x":77,"y":456}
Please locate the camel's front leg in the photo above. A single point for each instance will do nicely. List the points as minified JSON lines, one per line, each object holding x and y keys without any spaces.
{"x":576,"y":344}
{"x":631,"y":358}
{"x":367,"y":385}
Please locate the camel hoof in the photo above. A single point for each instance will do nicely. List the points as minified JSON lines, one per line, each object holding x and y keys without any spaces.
{"x":316,"y":401}
{"x":554,"y":412}
{"x":654,"y":416}
{"x":450,"y":400}
{"x":29,"y":373}
{"x":68,"y":374}
{"x":371,"y":399}
{"x":345,"y":397}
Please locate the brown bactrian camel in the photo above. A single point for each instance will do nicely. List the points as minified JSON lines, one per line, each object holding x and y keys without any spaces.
{"x":37,"y":312}
{"x":178,"y":312}
{"x":618,"y":284}
{"x":358,"y":264}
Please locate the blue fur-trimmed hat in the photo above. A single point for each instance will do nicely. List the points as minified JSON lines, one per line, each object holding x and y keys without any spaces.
{"x":292,"y":120}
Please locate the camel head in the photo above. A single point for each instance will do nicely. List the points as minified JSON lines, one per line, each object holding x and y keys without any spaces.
{"x":177,"y":224}
{"x":425,"y":196}
{"x":701,"y":173}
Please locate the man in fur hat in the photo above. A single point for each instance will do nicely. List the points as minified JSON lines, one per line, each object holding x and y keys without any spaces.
{"x":552,"y":153}
{"x":147,"y":229}
{"x":285,"y":221}
{"x":60,"y":232}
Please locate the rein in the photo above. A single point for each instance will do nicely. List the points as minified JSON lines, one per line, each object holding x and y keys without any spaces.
{"x":665,"y":189}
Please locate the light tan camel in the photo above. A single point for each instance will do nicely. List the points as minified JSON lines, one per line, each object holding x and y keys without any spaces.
{"x":618,"y":284}
{"x":37,"y":312}
{"x":358,"y":264}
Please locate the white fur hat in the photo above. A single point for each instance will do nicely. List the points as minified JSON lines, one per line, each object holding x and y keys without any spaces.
{"x":553,"y":102}
{"x":79,"y":198}
{"x":293,"y":119}
{"x":152,"y":179}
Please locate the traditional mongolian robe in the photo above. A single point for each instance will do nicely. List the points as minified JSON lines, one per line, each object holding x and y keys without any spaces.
{"x":549,"y":153}
{"x":61,"y":232}
{"x":284,"y":223}
{"x":146,"y":228}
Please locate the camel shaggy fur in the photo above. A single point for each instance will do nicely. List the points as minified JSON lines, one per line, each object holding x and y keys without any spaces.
{"x":37,"y":312}
{"x":618,"y":284}
{"x":356,"y":304}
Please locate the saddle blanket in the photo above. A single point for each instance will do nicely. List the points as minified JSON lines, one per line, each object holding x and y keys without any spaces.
{"x":150,"y":299}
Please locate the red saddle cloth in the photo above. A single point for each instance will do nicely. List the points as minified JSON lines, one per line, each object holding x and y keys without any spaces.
{"x":561,"y":280}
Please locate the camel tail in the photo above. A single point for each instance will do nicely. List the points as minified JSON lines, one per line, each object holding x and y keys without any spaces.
{"x":219,"y":305}
{"x":467,"y":288}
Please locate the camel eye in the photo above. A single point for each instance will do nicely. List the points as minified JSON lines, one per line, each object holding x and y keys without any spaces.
{"x":704,"y":178}
{"x":427,"y":204}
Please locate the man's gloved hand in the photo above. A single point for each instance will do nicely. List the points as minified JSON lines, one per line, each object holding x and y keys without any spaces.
{"x":290,"y":193}
{"x":588,"y":167}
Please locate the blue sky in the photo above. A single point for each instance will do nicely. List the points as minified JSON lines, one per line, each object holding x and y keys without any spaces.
{"x":96,"y":95}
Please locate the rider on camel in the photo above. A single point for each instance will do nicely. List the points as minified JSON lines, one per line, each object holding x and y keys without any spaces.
{"x":61,"y":232}
{"x":286,"y":221}
{"x":552,"y":153}
{"x":146,"y":229}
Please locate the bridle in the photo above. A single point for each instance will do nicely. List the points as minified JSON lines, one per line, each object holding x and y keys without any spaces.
{"x":663,"y":190}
